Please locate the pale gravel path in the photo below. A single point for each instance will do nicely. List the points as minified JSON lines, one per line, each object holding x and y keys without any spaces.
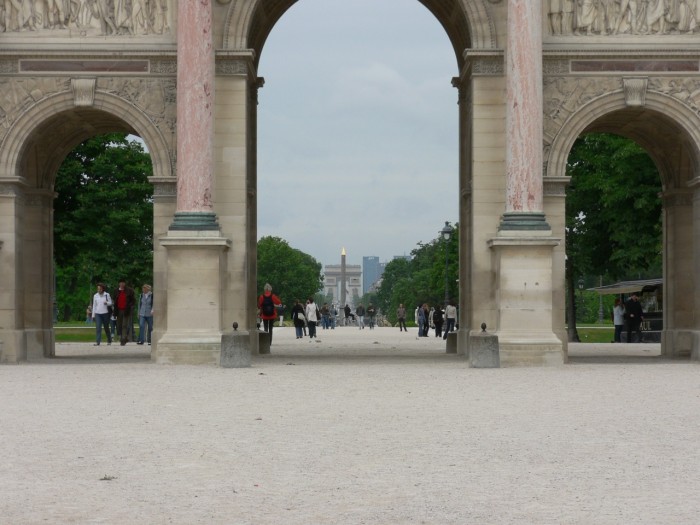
{"x":370,"y":427}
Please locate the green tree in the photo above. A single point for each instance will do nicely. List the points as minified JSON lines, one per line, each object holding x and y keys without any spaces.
{"x":420,"y":279}
{"x":103,"y":219}
{"x":292,"y":273}
{"x":613,"y":213}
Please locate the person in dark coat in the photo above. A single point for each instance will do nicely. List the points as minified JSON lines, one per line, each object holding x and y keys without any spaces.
{"x":634,"y":316}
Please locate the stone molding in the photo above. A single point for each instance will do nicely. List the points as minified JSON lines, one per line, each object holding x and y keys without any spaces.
{"x":555,"y":186}
{"x":164,"y":186}
{"x":672,"y":198}
{"x":236,"y":63}
{"x":484,"y":62}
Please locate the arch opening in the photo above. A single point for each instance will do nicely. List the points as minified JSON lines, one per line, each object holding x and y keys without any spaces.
{"x":665,"y":131}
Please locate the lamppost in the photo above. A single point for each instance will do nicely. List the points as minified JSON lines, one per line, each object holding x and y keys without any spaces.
{"x":580,"y":295}
{"x":446,"y":233}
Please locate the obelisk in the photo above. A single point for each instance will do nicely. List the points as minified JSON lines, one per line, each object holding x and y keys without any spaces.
{"x":343,"y":283}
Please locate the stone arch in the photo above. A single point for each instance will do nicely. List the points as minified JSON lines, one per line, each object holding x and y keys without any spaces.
{"x":669,"y":131}
{"x":15,"y":143}
{"x":30,"y":155}
{"x":660,"y":107}
{"x":468,"y":23}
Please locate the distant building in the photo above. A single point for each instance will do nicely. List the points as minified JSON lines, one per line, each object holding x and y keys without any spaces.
{"x":372,"y":270}
{"x":331,"y":280}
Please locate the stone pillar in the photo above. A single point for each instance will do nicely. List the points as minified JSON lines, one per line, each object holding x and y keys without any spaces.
{"x":523,"y":249}
{"x":524,"y":197}
{"x":197,"y":253}
{"x":195,"y":120}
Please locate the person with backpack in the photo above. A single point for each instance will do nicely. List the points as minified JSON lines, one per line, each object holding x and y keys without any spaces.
{"x":267,"y":310}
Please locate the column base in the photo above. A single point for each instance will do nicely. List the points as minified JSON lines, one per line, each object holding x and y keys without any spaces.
{"x":188,"y":349}
{"x":518,"y":349}
{"x":194,"y":221}
{"x":13,"y":349}
{"x":680,"y":344}
{"x":524,"y":221}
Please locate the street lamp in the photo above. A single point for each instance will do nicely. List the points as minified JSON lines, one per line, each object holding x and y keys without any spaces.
{"x":580,"y":294}
{"x":446,"y":233}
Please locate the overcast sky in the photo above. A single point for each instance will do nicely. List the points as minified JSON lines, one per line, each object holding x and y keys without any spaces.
{"x":357,"y":129}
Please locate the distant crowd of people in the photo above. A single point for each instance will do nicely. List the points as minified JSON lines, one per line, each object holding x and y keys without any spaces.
{"x":115,"y":313}
{"x":306,"y":316}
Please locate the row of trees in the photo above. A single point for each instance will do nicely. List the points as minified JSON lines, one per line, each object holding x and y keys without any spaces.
{"x":420,"y":279}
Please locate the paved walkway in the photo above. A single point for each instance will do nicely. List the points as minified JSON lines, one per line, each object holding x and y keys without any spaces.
{"x":362,"y":427}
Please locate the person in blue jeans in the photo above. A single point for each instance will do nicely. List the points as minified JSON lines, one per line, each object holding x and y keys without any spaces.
{"x":145,"y":310}
{"x":101,"y":305}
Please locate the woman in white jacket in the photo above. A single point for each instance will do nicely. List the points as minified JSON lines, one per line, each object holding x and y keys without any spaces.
{"x":101,"y":305}
{"x":312,"y":316}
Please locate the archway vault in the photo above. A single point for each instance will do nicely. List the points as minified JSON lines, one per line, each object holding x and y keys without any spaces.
{"x":665,"y":127}
{"x":468,"y":23}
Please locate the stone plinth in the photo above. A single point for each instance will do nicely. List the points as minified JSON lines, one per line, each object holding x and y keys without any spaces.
{"x":483,"y":351}
{"x":523,"y":268}
{"x":235,"y":350}
{"x":451,"y":343}
{"x":196,"y":269}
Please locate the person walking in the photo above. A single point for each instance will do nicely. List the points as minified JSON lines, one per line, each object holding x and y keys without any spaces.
{"x":618,"y":318}
{"x":450,"y":317}
{"x":360,"y":313}
{"x":267,"y":301}
{"x":422,"y":320}
{"x":325,"y":316}
{"x":124,"y":301}
{"x":372,"y":314}
{"x":145,"y":311}
{"x":426,"y":319}
{"x":401,"y":314}
{"x":101,"y":306}
{"x":299,"y":319}
{"x":635,"y":316}
{"x":312,"y":317}
{"x":438,"y":320}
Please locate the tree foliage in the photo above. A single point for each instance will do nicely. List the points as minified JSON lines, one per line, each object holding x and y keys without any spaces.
{"x":613,"y":214}
{"x":292,"y":273}
{"x":103,"y":220}
{"x":420,"y":279}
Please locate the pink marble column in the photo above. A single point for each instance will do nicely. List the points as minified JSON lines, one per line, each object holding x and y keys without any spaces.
{"x":195,"y":104}
{"x":524,"y":108}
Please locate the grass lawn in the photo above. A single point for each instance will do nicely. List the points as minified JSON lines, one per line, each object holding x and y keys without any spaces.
{"x":596,"y":333}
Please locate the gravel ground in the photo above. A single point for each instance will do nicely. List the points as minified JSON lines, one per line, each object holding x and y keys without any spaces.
{"x":360,"y":427}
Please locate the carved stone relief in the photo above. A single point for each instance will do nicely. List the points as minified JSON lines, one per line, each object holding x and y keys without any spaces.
{"x":17,"y":94}
{"x":563,"y":96}
{"x":632,"y":17}
{"x":84,"y":18}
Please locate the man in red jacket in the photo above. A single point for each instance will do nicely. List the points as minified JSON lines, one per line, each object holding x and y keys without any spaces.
{"x":124,"y":302}
{"x":267,"y":310}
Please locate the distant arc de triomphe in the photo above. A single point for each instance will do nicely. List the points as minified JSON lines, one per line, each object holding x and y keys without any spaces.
{"x":531,"y":75}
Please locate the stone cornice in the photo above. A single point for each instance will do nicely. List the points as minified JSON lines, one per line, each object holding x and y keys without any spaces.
{"x":236,"y":62}
{"x":677,"y":53}
{"x":483,"y":62}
